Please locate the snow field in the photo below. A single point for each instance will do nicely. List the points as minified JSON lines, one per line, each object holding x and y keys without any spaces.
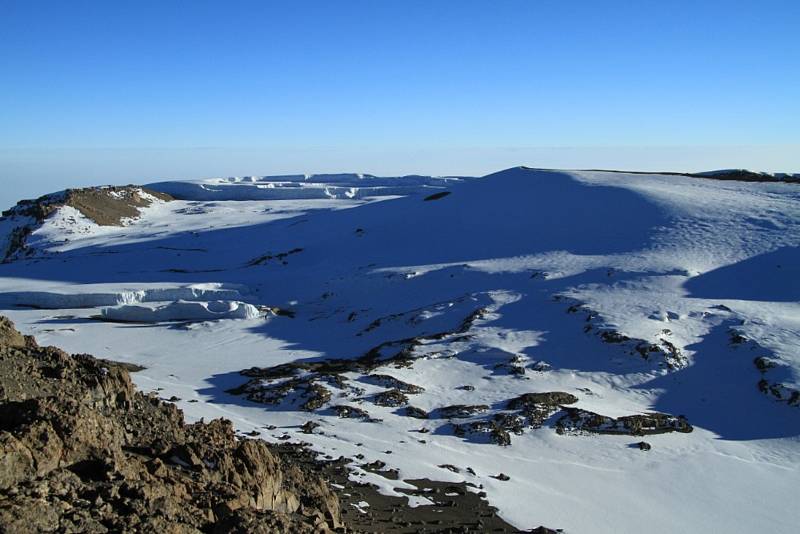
{"x":572,"y":272}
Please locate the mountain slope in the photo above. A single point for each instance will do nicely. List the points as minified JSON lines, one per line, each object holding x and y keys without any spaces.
{"x":525,"y":332}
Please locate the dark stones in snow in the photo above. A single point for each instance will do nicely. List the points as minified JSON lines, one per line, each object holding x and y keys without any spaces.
{"x":576,"y":420}
{"x":417,"y":413}
{"x":391,"y":398}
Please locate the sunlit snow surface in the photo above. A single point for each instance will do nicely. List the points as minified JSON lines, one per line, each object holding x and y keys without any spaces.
{"x":696,"y":262}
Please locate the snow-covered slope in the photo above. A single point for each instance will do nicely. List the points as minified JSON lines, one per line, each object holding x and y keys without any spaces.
{"x":535,"y":324}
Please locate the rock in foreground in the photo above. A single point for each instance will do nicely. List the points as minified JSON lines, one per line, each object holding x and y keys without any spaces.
{"x":82,"y":451}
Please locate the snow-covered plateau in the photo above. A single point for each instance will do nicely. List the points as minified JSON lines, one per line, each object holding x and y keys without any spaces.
{"x":599,"y":352}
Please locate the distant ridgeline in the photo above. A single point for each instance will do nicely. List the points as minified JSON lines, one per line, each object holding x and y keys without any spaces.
{"x":119,"y":205}
{"x":741,"y":175}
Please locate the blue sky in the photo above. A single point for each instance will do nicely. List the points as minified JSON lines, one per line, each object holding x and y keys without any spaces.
{"x":101,"y":92}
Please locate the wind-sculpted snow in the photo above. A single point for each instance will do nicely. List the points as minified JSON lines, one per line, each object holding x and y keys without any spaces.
{"x":520,"y":333}
{"x":301,"y":186}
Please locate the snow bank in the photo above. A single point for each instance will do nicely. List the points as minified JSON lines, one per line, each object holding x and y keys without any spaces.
{"x":181,"y":311}
{"x":322,"y":186}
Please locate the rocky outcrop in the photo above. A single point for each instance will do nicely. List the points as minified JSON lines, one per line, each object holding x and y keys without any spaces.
{"x":307,"y":383}
{"x":533,"y":400}
{"x":82,"y":451}
{"x":389,"y":381}
{"x":530,"y":412}
{"x":105,"y":206}
{"x":660,"y":351}
{"x":576,"y":420}
{"x":773,"y":369}
{"x":391,"y":398}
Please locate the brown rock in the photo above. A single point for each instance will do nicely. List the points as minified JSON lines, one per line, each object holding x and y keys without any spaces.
{"x":82,"y":451}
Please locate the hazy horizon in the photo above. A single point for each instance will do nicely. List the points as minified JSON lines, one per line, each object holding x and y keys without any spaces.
{"x":33,"y":172}
{"x":117,"y":93}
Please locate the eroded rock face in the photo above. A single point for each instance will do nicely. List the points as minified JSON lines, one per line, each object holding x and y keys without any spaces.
{"x":82,"y":451}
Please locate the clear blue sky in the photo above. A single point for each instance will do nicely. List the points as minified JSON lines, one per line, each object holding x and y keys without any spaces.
{"x":96,"y":92}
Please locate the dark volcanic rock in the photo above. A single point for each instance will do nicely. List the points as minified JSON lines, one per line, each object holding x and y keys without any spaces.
{"x":772,"y":370}
{"x":309,"y":427}
{"x":455,"y":507}
{"x":272,"y":384}
{"x":418,"y":413}
{"x":309,"y":392}
{"x":497,"y":429}
{"x":532,"y":409}
{"x":612,"y":336}
{"x":391,"y":398}
{"x":394,"y":383}
{"x":351,"y":412}
{"x":462,"y":410}
{"x":530,"y":400}
{"x":576,"y":419}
